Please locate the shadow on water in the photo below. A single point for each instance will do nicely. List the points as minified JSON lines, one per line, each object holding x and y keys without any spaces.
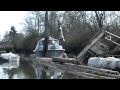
{"x":28,"y":70}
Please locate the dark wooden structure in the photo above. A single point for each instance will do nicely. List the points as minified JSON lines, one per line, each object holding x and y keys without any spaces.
{"x":46,"y":35}
{"x":99,"y":46}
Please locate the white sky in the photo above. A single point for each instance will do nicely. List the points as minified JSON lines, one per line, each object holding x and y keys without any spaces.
{"x":9,"y":18}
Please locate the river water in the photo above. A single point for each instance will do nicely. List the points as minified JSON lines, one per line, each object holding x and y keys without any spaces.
{"x":16,"y":70}
{"x":23,"y":70}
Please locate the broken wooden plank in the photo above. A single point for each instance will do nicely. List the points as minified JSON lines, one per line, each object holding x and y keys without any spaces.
{"x":111,"y":34}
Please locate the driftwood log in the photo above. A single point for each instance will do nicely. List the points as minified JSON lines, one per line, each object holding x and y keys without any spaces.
{"x":64,"y":60}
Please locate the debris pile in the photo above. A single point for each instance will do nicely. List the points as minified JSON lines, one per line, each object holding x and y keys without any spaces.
{"x":73,"y":71}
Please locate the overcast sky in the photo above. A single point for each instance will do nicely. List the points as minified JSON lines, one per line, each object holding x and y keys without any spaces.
{"x":9,"y":18}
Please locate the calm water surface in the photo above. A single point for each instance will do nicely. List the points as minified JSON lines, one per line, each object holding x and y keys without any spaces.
{"x":13,"y":69}
{"x":16,"y":70}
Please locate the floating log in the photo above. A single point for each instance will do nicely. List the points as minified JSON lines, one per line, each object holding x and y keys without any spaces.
{"x":64,"y":60}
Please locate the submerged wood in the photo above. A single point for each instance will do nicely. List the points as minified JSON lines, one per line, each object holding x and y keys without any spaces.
{"x":83,"y":75}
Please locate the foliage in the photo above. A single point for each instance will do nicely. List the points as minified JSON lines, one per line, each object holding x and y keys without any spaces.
{"x":78,"y":28}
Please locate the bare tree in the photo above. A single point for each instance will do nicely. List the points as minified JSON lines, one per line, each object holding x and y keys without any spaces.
{"x":100,"y":17}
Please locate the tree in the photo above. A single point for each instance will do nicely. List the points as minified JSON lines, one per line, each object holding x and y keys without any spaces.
{"x":100,"y":17}
{"x":53,"y":23}
{"x":78,"y":26}
{"x":13,"y":37}
{"x":39,"y":20}
{"x":6,"y":37}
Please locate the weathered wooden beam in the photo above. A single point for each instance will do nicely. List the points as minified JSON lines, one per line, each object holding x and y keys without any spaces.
{"x":64,"y":60}
{"x":111,"y":34}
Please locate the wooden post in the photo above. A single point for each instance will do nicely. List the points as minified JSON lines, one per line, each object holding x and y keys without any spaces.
{"x":46,"y":36}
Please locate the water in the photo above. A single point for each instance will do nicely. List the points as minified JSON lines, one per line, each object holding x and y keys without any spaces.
{"x":23,"y":70}
{"x":16,"y":70}
{"x":48,"y":72}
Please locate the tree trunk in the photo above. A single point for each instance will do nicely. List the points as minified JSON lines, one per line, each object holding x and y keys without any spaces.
{"x":38,"y":25}
{"x":46,"y":36}
{"x":64,"y":60}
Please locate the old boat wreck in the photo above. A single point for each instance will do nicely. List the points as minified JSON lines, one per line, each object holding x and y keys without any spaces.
{"x":54,"y":49}
{"x":55,"y":67}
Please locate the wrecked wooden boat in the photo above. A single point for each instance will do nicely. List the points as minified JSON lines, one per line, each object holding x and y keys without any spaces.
{"x":102,"y":44}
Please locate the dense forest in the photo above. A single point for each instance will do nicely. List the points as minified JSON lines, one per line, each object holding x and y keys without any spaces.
{"x":78,"y":28}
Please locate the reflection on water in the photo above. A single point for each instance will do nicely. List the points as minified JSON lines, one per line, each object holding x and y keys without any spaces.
{"x":44,"y":72}
{"x":13,"y":69}
{"x":16,"y":70}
